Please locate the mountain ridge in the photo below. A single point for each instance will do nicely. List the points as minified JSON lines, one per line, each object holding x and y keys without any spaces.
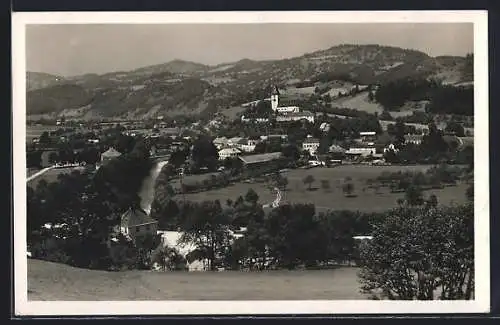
{"x":161,"y":88}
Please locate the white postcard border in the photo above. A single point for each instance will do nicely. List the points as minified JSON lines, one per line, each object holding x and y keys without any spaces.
{"x":481,"y":155}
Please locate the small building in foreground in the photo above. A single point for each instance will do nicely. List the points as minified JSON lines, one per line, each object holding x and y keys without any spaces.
{"x":135,"y":222}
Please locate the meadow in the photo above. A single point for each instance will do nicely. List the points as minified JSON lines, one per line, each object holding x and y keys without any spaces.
{"x":365,"y":199}
{"x":52,"y":281}
{"x":35,"y":131}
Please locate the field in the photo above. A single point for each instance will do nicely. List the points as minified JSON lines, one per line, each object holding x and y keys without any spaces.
{"x":35,"y":131}
{"x":232,"y":112}
{"x":334,"y":199}
{"x":360,"y":102}
{"x":52,"y":281}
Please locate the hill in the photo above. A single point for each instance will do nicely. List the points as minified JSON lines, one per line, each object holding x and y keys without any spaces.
{"x":52,"y":281}
{"x":37,"y":80}
{"x":183,"y":87}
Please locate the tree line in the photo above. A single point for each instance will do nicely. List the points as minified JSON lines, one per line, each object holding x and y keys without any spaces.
{"x":443,"y":99}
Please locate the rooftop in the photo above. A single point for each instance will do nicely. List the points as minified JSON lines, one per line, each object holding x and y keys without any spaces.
{"x":311,"y":140}
{"x":252,"y":159}
{"x":135,"y":217}
{"x":111,"y":152}
{"x":413,"y":137}
{"x":229,"y":150}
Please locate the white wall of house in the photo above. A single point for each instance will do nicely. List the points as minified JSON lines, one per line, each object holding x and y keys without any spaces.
{"x":362,"y":151}
{"x":228,"y":153}
{"x":312,"y":147}
{"x":142,"y":230}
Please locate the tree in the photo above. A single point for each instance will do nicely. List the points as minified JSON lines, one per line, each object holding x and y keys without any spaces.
{"x":414,"y":196}
{"x":348,"y":189}
{"x":33,"y":159}
{"x":44,"y":138}
{"x":455,"y":128}
{"x":325,"y":185}
{"x":282,"y":182}
{"x":291,"y":235}
{"x":251,"y":197}
{"x":417,"y":253}
{"x":178,"y":158}
{"x":207,"y":228}
{"x":53,"y":157}
{"x":169,"y":259}
{"x":204,"y":153}
{"x":371,"y":97}
{"x":399,"y":133}
{"x":432,"y":202}
{"x":308,"y":180}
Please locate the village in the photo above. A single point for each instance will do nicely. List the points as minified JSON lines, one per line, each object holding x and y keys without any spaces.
{"x":292,"y":142}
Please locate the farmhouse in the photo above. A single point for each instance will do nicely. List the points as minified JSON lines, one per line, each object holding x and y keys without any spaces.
{"x":109,"y":155}
{"x":262,"y":163}
{"x":310,"y":144}
{"x":135,"y":222}
{"x":228,"y":153}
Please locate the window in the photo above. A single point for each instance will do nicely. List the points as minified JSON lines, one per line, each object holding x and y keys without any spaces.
{"x":137,"y":228}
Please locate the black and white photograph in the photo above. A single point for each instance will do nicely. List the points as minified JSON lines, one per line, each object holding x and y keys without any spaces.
{"x":251,"y":163}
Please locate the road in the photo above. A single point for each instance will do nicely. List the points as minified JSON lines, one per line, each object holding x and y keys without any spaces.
{"x":39,"y":173}
{"x":276,"y":202}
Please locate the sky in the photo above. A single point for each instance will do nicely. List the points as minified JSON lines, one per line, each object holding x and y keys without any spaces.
{"x":69,"y":50}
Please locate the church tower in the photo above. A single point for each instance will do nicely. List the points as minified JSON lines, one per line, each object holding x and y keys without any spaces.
{"x":274,"y":97}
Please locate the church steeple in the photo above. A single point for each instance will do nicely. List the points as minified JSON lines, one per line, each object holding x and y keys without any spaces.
{"x":274,"y":97}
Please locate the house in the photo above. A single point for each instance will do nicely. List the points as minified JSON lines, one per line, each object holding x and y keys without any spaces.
{"x":390,"y":147}
{"x":109,"y":155}
{"x":135,"y":222}
{"x":414,"y":138}
{"x":310,"y":144}
{"x":220,"y":142}
{"x":368,"y":136}
{"x":228,"y":153}
{"x":256,"y":119}
{"x":247,"y":145}
{"x":325,"y":127}
{"x":290,"y":117}
{"x":261,"y":163}
{"x":335,"y":148}
{"x":281,"y":137}
{"x":288,"y":109}
{"x":361,"y":151}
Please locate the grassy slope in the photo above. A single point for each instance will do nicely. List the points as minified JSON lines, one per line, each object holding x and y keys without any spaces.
{"x":52,"y":281}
